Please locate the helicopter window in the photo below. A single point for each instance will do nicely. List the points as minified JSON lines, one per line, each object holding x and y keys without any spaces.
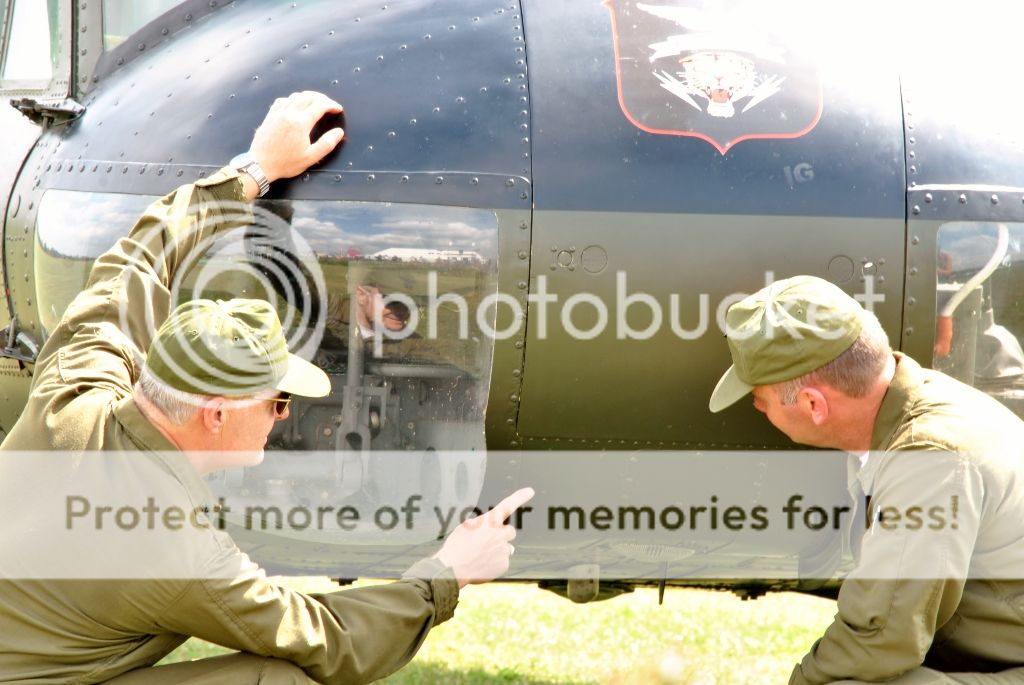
{"x":31,"y":51}
{"x":121,"y":18}
{"x":414,"y":285}
{"x":980,"y":307}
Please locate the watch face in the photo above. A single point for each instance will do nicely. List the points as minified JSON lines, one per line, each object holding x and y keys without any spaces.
{"x":239,"y":161}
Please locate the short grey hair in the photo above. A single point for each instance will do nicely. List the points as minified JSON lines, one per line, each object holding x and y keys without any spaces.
{"x":177,"y":405}
{"x":854,"y":372}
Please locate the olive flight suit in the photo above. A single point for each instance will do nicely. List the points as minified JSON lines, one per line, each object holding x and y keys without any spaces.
{"x":959,"y":616}
{"x":59,"y":628}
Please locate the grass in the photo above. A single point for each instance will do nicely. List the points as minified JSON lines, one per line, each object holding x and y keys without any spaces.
{"x":517,"y":634}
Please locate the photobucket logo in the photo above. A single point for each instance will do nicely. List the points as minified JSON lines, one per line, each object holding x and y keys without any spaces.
{"x":688,"y":317}
{"x":225,"y":252}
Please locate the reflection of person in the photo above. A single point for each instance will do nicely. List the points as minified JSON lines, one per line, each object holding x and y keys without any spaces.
{"x":213,"y":384}
{"x":919,"y":608}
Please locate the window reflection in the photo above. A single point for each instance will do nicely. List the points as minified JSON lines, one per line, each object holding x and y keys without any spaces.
{"x":31,"y":51}
{"x":980,"y":307}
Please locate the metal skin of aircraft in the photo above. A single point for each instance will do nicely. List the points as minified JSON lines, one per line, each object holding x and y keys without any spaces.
{"x":555,"y":202}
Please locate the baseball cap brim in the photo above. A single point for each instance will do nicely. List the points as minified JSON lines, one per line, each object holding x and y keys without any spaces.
{"x":729,"y":391}
{"x":304,"y":379}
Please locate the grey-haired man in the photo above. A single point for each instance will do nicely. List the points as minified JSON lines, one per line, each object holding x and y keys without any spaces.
{"x":215,"y":380}
{"x":922,"y":607}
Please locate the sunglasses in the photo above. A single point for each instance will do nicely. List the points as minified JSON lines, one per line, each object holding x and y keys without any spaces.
{"x":280,"y":403}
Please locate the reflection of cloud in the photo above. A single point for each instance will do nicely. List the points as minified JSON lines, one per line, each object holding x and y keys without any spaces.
{"x":81,"y":224}
{"x":334,"y":228}
{"x":971,"y":245}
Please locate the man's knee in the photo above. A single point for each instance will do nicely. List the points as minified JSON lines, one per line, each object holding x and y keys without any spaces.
{"x":281,"y":672}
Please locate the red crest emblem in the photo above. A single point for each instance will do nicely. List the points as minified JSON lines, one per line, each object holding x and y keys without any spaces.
{"x":697,"y":71}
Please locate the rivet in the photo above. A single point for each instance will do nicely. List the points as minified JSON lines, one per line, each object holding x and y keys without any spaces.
{"x":110,"y":168}
{"x":513,"y":398}
{"x":120,"y":61}
{"x":913,"y":154}
{"x":330,"y":33}
{"x":916,"y":209}
{"x":180,"y":172}
{"x":142,"y":46}
{"x":522,"y":285}
{"x":928,"y":197}
{"x":510,"y":182}
{"x":164,"y":31}
{"x":912,"y":140}
{"x":95,"y":167}
{"x":483,"y":89}
{"x":911,"y":301}
{"x":519,"y":344}
{"x":474,"y":181}
{"x":357,"y":70}
{"x":159,"y":172}
{"x":523,"y":225}
{"x":337,"y":178}
{"x":334,"y":82}
{"x":29,"y":302}
{"x":963,"y":199}
{"x":81,"y":168}
{"x":231,"y":97}
{"x":256,"y":78}
{"x":371,"y":178}
{"x":507,"y":80}
{"x":995,"y":199}
{"x":460,"y":99}
{"x":436,"y":110}
{"x":280,"y":61}
{"x":913,"y":271}
{"x":916,"y":240}
{"x":522,"y":254}
{"x":305,"y":46}
{"x":909,"y":330}
{"x":188,"y":17}
{"x":403,"y":46}
{"x":524,"y":196}
{"x":412,"y":122}
{"x":913,"y":169}
{"x":510,"y":422}
{"x":517,"y":373}
{"x":439,"y":180}
{"x":451,"y":28}
{"x":392,"y":135}
{"x":426,"y":37}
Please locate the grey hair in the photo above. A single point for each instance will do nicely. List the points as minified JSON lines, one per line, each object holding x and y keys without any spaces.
{"x":854,"y":372}
{"x":177,"y":405}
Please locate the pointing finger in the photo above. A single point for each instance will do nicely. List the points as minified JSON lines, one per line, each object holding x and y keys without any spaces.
{"x":508,"y":505}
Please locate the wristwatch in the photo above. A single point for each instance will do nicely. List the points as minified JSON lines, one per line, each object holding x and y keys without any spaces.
{"x":247,"y":165}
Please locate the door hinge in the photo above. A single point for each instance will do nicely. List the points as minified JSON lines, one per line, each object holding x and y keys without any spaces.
{"x":15,"y":344}
{"x":49,"y":113}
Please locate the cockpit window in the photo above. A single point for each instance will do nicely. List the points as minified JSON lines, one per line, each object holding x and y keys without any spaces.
{"x":122,"y":18}
{"x":30,"y":54}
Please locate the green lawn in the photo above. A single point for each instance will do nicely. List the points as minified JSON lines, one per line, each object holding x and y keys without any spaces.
{"x":509,"y":634}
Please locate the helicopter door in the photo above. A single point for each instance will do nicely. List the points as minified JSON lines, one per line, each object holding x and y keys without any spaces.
{"x":677,"y":168}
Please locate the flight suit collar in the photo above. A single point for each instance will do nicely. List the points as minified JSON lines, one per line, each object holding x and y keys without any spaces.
{"x":897,"y":402}
{"x":148,"y":439}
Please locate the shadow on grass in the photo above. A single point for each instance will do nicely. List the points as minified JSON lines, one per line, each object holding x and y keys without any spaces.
{"x":415,"y":673}
{"x":434,"y":674}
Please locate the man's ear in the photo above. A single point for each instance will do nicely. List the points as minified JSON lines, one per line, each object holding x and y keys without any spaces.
{"x":813,"y":405}
{"x":214,"y":414}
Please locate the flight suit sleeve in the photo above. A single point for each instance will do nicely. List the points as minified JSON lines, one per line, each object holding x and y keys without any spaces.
{"x":351,"y":636}
{"x":102,"y":339}
{"x":914,"y":562}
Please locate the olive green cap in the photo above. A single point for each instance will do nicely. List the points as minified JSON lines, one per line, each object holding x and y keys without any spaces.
{"x":784,"y":331}
{"x":230,"y":348}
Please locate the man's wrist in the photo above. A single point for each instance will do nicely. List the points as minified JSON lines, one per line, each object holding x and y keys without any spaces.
{"x":251,"y":170}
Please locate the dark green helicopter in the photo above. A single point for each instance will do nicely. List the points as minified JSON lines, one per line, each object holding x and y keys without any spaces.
{"x":553,"y":203}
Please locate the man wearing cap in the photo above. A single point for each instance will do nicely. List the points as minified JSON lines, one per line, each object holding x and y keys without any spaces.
{"x":922,"y":605}
{"x":216,"y":378}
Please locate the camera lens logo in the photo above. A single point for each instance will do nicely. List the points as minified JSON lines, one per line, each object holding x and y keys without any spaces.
{"x":224,"y":253}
